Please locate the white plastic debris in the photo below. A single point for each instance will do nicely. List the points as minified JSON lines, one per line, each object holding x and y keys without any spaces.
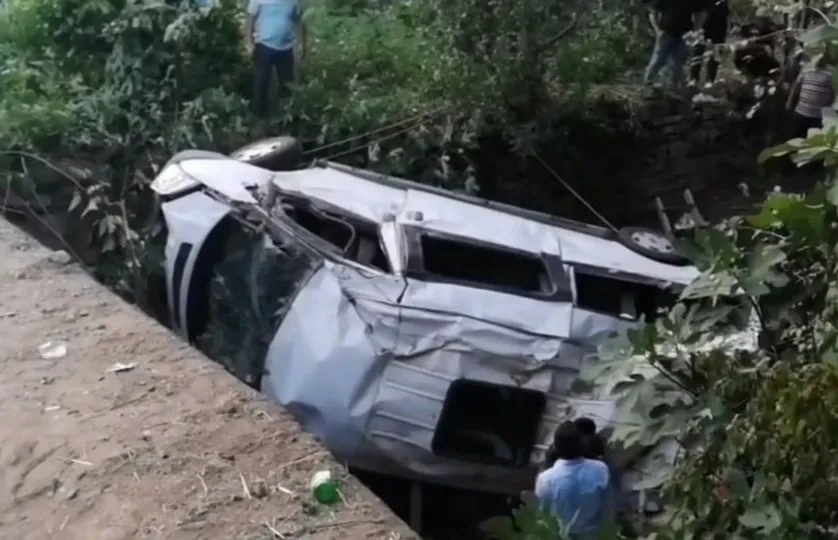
{"x":120,"y":367}
{"x":60,"y":257}
{"x":51,"y":351}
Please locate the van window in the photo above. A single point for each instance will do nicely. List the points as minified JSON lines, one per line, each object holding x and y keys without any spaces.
{"x":236,"y":304}
{"x":618,"y":297}
{"x":356,"y":237}
{"x":484,"y":265}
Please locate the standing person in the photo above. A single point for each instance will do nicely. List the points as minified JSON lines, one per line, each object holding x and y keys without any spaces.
{"x":810,"y":94}
{"x":671,"y":19}
{"x":575,"y":489}
{"x":715,"y":33}
{"x":273,"y":28}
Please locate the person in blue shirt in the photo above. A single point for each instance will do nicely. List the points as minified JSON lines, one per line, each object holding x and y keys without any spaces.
{"x":574,"y":489}
{"x":273,"y":27}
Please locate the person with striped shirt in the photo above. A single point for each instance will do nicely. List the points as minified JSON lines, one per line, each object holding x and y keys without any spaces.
{"x":810,"y":94}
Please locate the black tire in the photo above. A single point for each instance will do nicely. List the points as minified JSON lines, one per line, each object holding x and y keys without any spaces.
{"x":664,"y":251}
{"x":275,"y":154}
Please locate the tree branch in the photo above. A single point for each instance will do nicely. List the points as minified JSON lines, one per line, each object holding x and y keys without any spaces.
{"x":553,"y":40}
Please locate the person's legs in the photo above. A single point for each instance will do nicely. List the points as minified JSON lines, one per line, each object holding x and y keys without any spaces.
{"x":262,"y":65}
{"x":697,"y":61}
{"x":712,"y":69}
{"x":678,"y":56}
{"x":713,"y":63}
{"x":284,"y":66}
{"x":802,"y":125}
{"x":660,"y":55}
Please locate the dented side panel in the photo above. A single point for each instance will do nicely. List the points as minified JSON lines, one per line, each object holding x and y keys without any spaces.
{"x":369,"y":374}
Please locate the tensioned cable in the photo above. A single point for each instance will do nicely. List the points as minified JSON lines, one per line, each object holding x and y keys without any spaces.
{"x":378,"y":140}
{"x":579,"y":197}
{"x":550,"y":169}
{"x":416,"y":118}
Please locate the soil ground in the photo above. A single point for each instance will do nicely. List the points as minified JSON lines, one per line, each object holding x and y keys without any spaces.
{"x":169,"y":447}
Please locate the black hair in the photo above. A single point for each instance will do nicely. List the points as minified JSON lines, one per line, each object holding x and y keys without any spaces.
{"x":585,"y":425}
{"x":568,"y":442}
{"x":593,"y":447}
{"x":549,"y":458}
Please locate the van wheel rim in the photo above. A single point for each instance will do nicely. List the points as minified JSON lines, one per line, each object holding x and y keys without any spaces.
{"x":652,"y":241}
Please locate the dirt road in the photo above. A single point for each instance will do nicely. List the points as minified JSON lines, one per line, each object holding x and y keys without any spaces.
{"x":131,"y":434}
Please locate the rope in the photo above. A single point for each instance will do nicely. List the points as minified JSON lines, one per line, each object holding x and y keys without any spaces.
{"x":535,"y":154}
{"x":579,"y":197}
{"x":377,"y":141}
{"x":416,"y":118}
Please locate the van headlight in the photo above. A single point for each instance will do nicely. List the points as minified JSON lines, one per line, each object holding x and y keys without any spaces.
{"x":173,"y":180}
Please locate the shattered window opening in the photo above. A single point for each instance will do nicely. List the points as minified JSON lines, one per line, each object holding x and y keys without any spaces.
{"x":356,"y":237}
{"x":620,"y":298}
{"x":488,"y":423}
{"x":483,"y":265}
{"x":251,"y":286}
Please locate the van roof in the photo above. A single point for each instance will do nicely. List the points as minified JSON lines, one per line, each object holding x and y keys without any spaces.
{"x":380,"y":198}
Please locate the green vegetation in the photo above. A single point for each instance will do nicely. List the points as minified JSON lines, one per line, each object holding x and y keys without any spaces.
{"x":119,"y":85}
{"x":757,"y":426}
{"x":114,"y":87}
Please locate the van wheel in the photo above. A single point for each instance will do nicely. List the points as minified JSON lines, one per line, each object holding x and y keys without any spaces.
{"x":275,"y":154}
{"x":652,"y":244}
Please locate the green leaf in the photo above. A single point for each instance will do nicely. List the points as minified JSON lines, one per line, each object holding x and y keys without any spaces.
{"x":780,"y":150}
{"x":499,"y":528}
{"x":709,"y":249}
{"x":819,"y":36}
{"x":832,"y":193}
{"x":738,"y":483}
{"x":765,"y":519}
{"x":710,"y":285}
{"x":765,"y":258}
{"x":771,"y":211}
{"x":761,"y":270}
{"x":75,"y":202}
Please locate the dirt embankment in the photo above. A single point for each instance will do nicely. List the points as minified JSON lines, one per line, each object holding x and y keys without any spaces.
{"x":131,"y":434}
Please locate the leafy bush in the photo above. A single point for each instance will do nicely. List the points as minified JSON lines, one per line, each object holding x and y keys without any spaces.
{"x":753,"y":416}
{"x":740,"y":372}
{"x":125,"y":83}
{"x":529,"y":522}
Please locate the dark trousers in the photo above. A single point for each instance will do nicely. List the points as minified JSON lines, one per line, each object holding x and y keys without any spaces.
{"x":671,"y":50}
{"x":698,"y":61}
{"x":266,"y":61}
{"x":802,"y":124}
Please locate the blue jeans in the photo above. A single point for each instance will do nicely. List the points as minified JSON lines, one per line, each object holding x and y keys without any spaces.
{"x":670,"y":50}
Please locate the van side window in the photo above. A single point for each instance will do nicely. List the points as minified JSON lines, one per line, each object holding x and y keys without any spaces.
{"x":618,"y":297}
{"x":453,"y":259}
